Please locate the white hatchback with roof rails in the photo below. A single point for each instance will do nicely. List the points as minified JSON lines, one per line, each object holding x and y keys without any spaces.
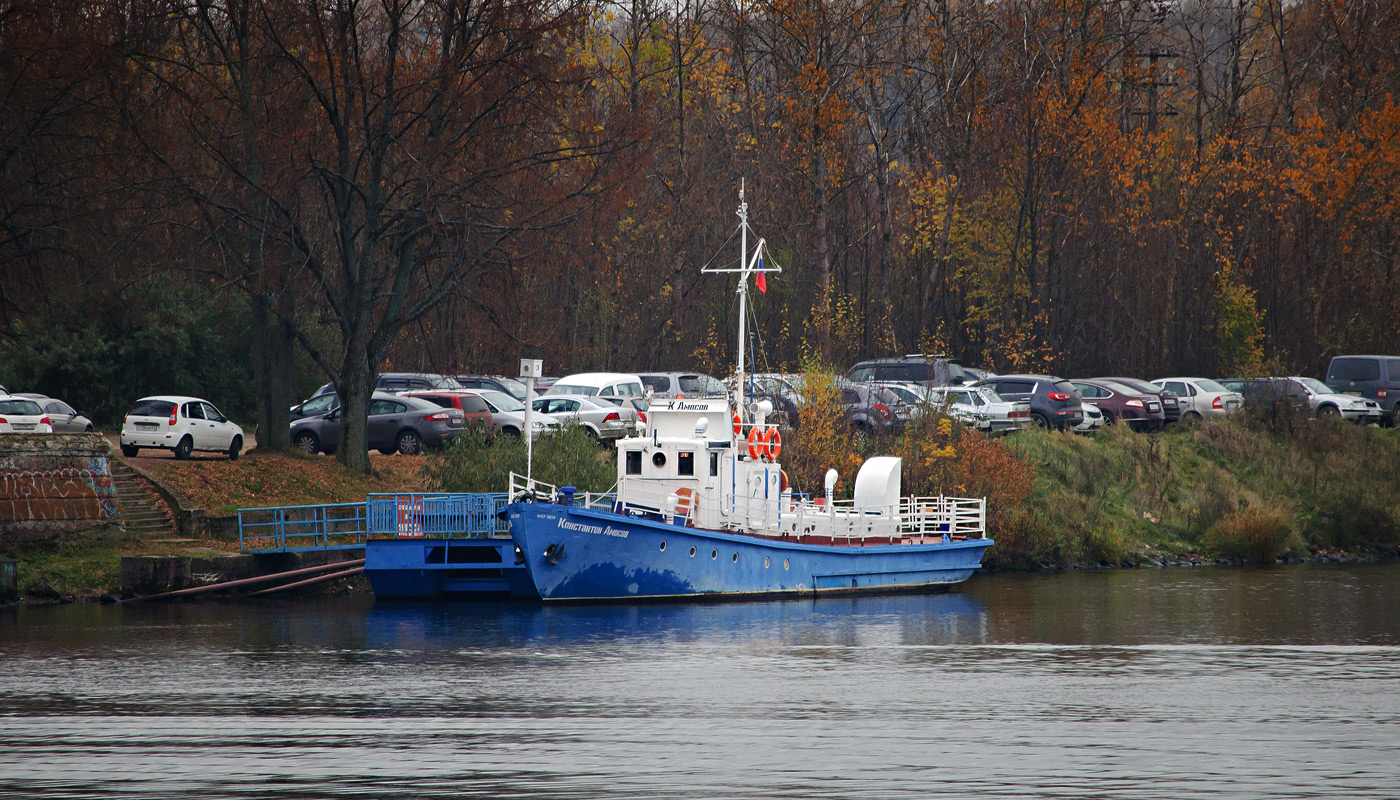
{"x":182,"y":424}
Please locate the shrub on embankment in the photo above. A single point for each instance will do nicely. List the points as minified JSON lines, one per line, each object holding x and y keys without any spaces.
{"x":1243,"y":489}
{"x":570,"y":457}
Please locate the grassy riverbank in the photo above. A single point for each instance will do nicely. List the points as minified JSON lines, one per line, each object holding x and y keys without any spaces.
{"x":1247,"y":489}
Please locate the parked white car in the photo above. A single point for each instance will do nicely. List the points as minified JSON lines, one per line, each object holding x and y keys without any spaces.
{"x":23,"y":415}
{"x":1201,"y":398}
{"x":1093,"y":419}
{"x":182,"y":424}
{"x":1326,"y":403}
{"x":982,"y":408}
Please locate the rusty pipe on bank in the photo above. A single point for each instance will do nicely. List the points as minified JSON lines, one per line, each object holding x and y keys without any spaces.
{"x":214,"y":587}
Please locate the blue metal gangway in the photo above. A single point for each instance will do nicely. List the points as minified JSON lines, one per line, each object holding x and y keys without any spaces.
{"x":345,"y":526}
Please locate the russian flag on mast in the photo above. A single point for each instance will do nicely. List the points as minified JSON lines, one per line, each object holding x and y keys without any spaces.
{"x":758,"y":279}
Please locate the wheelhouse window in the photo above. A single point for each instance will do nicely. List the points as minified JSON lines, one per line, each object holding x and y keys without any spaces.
{"x":685,"y":463}
{"x":714,"y":464}
{"x":634,"y":462}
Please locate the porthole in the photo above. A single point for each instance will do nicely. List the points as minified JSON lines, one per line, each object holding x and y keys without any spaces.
{"x":735,"y":559}
{"x":785,"y":563}
{"x":692,"y":552}
{"x":765,"y":562}
{"x":659,"y":459}
{"x":663,"y":547}
{"x":714,"y":554}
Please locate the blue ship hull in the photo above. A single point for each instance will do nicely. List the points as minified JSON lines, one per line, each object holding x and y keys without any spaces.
{"x":446,"y":568}
{"x":577,"y":554}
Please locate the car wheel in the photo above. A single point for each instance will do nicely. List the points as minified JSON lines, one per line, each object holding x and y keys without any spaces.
{"x":860,"y":434}
{"x":1327,"y":411}
{"x":409,"y":443}
{"x":1108,"y":418}
{"x":1041,"y":422}
{"x":184,"y":448}
{"x":88,"y":429}
{"x":511,"y":432}
{"x":235,"y":448}
{"x":306,"y":442}
{"x":130,"y":451}
{"x":1191,"y":417}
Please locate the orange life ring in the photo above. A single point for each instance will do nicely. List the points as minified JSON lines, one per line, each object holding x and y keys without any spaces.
{"x":738,"y":424}
{"x":775,"y":443}
{"x":756,"y":443}
{"x":782,"y":480}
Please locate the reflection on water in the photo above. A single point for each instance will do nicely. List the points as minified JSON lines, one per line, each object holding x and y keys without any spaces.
{"x":1131,"y":684}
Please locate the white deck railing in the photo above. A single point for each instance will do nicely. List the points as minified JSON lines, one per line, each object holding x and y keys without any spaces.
{"x":595,"y":500}
{"x":918,"y":518}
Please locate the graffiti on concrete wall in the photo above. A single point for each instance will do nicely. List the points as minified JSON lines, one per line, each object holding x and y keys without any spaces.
{"x":57,"y":493}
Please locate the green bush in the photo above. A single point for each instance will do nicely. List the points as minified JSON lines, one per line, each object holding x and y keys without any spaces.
{"x":568,"y":458}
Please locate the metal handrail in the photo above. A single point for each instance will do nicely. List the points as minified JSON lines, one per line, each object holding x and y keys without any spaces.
{"x":291,"y":528}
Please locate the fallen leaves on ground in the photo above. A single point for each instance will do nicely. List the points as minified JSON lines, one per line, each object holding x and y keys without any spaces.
{"x":264,"y":479}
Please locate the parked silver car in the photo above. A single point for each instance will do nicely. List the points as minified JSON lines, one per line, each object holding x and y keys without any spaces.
{"x":600,"y":418}
{"x":982,"y":408}
{"x":674,"y":385}
{"x":1326,"y":403}
{"x":1201,"y":398}
{"x":62,"y":415}
{"x":508,"y":416}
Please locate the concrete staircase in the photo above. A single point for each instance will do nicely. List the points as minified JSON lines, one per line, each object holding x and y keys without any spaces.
{"x":143,"y":511}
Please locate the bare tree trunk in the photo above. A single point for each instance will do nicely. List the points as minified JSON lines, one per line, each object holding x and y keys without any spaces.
{"x":821,"y":246}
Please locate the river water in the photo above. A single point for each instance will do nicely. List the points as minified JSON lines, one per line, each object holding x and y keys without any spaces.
{"x":1175,"y":683}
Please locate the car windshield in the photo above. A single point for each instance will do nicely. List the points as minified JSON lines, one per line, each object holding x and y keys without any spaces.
{"x":445,"y":382}
{"x":22,"y":407}
{"x":1314,"y":385}
{"x":564,"y":388}
{"x":500,"y":401}
{"x":1208,"y":385}
{"x":514,"y":388}
{"x":1119,"y":387}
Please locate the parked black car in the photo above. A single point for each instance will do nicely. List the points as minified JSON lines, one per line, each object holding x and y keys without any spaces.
{"x":914,"y":368}
{"x":872,"y":410}
{"x":1269,"y":395}
{"x":1054,"y":401}
{"x":1373,"y":377}
{"x":405,"y":425}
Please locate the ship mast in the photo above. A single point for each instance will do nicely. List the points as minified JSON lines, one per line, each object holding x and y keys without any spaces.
{"x":747,"y":266}
{"x":743,"y":287}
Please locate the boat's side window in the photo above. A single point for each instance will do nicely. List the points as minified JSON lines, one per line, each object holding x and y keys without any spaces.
{"x":685,"y":463}
{"x":634,"y":462}
{"x":714,"y":464}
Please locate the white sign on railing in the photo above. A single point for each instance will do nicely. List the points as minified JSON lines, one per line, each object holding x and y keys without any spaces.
{"x":410,"y":518}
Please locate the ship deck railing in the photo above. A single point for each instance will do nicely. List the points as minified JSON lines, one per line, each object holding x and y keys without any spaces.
{"x":790,"y":515}
{"x":523,"y":486}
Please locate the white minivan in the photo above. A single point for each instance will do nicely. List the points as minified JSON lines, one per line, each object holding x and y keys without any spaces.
{"x":612,"y":386}
{"x":182,"y":424}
